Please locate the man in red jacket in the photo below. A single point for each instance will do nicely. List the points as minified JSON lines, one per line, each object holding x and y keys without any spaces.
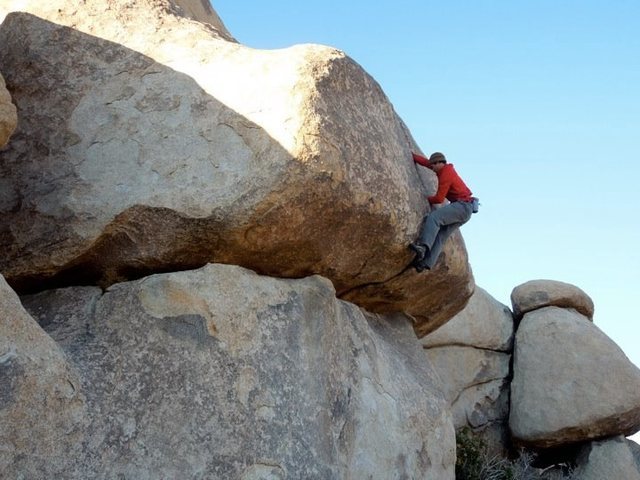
{"x":441,"y":222}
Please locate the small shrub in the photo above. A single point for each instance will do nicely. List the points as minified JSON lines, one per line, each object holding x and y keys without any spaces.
{"x":471,"y":452}
{"x":473,"y":462}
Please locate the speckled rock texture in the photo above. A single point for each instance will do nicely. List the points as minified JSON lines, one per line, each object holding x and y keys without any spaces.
{"x":152,"y":142}
{"x":472,"y":353}
{"x":608,"y":458}
{"x":483,"y":323}
{"x":42,"y":408}
{"x":571,"y":383}
{"x":550,"y":293}
{"x":222,"y":373}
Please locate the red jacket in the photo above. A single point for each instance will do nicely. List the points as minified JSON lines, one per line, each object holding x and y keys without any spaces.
{"x":450,"y":185}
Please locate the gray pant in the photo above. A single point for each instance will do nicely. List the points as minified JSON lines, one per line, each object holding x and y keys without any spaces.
{"x":439,"y":224}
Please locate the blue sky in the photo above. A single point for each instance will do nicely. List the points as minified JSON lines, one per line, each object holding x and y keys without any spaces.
{"x":536,"y":103}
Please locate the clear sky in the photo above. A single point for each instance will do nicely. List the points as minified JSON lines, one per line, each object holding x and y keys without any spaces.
{"x":537,"y":103}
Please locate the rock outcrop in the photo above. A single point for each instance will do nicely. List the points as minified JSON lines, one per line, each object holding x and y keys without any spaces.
{"x":109,"y":17}
{"x":483,"y":323}
{"x":279,"y":189}
{"x":611,"y":458}
{"x":547,"y":293}
{"x":164,"y":146}
{"x":221,"y":373}
{"x":8,"y":115}
{"x":201,"y":11}
{"x":571,"y":382}
{"x":472,"y":355}
{"x":42,"y":409}
{"x":474,"y":382}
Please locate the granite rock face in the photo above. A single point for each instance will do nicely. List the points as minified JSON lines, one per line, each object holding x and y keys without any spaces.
{"x":475,"y":382}
{"x":166,"y":145}
{"x":110,"y":16}
{"x":42,"y":408}
{"x":635,"y":451}
{"x":472,"y":355}
{"x":222,"y":373}
{"x":547,"y":293}
{"x":483,"y":323}
{"x":571,"y":382}
{"x":8,"y":114}
{"x":610,"y":458}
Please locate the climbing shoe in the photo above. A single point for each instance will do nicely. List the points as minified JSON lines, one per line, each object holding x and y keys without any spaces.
{"x":419,"y":266}
{"x":420,"y":251}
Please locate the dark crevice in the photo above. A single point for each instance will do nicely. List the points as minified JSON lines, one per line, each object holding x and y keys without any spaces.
{"x":486,"y":349}
{"x":347,"y":291}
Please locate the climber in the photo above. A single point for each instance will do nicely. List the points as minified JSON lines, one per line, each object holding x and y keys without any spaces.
{"x":441,"y":222}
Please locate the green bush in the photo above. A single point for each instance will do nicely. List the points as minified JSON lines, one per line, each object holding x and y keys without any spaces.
{"x":473,"y":462}
{"x":471,"y":455}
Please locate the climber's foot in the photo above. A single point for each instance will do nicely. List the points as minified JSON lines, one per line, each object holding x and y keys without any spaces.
{"x":420,"y":250}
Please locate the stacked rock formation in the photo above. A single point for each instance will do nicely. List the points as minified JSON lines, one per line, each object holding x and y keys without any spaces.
{"x":472,"y":355}
{"x":165,"y":146}
{"x":238,"y":220}
{"x":570,"y":383}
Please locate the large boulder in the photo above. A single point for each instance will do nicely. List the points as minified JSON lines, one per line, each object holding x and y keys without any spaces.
{"x":571,"y":382}
{"x":151,"y":142}
{"x":475,"y":382}
{"x":483,"y":323}
{"x":610,"y":458}
{"x":42,"y":409}
{"x":222,"y":373}
{"x":8,"y":114}
{"x":89,"y":16}
{"x":545,"y":293}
